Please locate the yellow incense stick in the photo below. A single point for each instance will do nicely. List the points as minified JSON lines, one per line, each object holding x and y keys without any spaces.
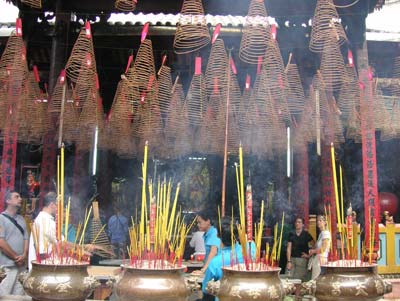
{"x":335,"y":187}
{"x":341,"y":193}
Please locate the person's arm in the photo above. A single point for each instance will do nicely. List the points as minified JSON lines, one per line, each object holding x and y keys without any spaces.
{"x":211,"y":255}
{"x":289,"y":255}
{"x":7,"y":250}
{"x":21,"y":259}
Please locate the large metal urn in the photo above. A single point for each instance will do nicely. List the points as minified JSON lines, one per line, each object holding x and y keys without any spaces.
{"x":239,"y":285}
{"x":347,"y":280}
{"x":151,"y":284}
{"x":52,"y":282}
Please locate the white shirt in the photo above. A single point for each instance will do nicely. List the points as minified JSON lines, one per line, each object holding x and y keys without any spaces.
{"x":45,"y":226}
{"x":197,"y":242}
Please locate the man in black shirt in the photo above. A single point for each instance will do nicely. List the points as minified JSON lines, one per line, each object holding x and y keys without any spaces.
{"x":299,"y":243}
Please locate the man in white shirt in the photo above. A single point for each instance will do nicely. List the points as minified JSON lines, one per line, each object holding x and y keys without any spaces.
{"x":197,"y":242}
{"x":45,"y":227}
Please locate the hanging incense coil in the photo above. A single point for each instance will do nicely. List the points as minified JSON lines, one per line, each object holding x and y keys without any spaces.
{"x":196,"y":100}
{"x":353,"y":129}
{"x":381,"y":114}
{"x":81,"y":65}
{"x":71,"y":118}
{"x":183,"y":140}
{"x":191,"y":31}
{"x":164,"y":89}
{"x":90,"y":119}
{"x":142,"y":77}
{"x":395,"y":89}
{"x":325,"y":19}
{"x":98,"y":235}
{"x":332,"y":65}
{"x":349,"y":95}
{"x":217,"y":68}
{"x":256,"y":33}
{"x":33,"y":3}
{"x":295,"y":92}
{"x":338,"y":129}
{"x":125,"y":5}
{"x":205,"y":142}
{"x":27,"y":111}
{"x":173,"y":121}
{"x":13,"y":65}
{"x":390,"y":129}
{"x":273,"y":81}
{"x":56,"y":98}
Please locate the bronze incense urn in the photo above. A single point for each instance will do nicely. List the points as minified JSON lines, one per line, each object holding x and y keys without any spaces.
{"x":152,"y":284}
{"x":52,"y":282}
{"x":2,"y":274}
{"x":347,"y":280}
{"x":239,"y":285}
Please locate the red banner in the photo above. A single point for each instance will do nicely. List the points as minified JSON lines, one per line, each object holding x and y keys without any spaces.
{"x":249,"y":212}
{"x":9,"y":158}
{"x":302,"y":183}
{"x":48,"y":169}
{"x":328,"y":191}
{"x":370,"y":174}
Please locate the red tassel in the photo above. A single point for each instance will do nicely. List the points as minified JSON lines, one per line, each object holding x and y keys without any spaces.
{"x":62,"y":76}
{"x":164,"y":59}
{"x":216,"y":91}
{"x":234,"y":70}
{"x":197,"y":68}
{"x":128,"y":65}
{"x":273,"y":31}
{"x":96,"y":77}
{"x":88,"y":30}
{"x":36,"y":73}
{"x":88,"y":59}
{"x":145,"y":31}
{"x":370,"y":74}
{"x":248,"y":82}
{"x":216,"y":33}
{"x":18,"y":27}
{"x":350,"y":58}
{"x":259,"y":63}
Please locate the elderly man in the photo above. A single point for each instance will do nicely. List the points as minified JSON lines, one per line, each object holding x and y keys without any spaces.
{"x":13,"y":244}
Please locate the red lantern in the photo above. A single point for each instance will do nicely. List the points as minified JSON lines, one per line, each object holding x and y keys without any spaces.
{"x":388,"y":202}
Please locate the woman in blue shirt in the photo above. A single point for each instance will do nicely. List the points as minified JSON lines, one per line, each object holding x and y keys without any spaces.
{"x":211,"y":241}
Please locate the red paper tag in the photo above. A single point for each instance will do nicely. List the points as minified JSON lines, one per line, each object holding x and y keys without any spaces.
{"x":96,"y":77}
{"x":249,"y":213}
{"x":88,"y":59}
{"x":328,"y":190}
{"x":273,"y":31}
{"x":216,"y":90}
{"x":302,"y":191}
{"x":164,"y":59}
{"x":48,"y":168}
{"x":145,"y":31}
{"x":36,"y":73}
{"x":216,"y":33}
{"x":370,"y":175}
{"x":128,"y":65}
{"x":248,"y":82}
{"x":350,"y":58}
{"x":197,"y":68}
{"x":370,"y":73}
{"x":18,"y":27}
{"x":61,"y":78}
{"x":259,"y":64}
{"x":88,"y":30}
{"x":234,"y":70}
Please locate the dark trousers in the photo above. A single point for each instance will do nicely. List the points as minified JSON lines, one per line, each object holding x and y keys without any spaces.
{"x":207,"y":297}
